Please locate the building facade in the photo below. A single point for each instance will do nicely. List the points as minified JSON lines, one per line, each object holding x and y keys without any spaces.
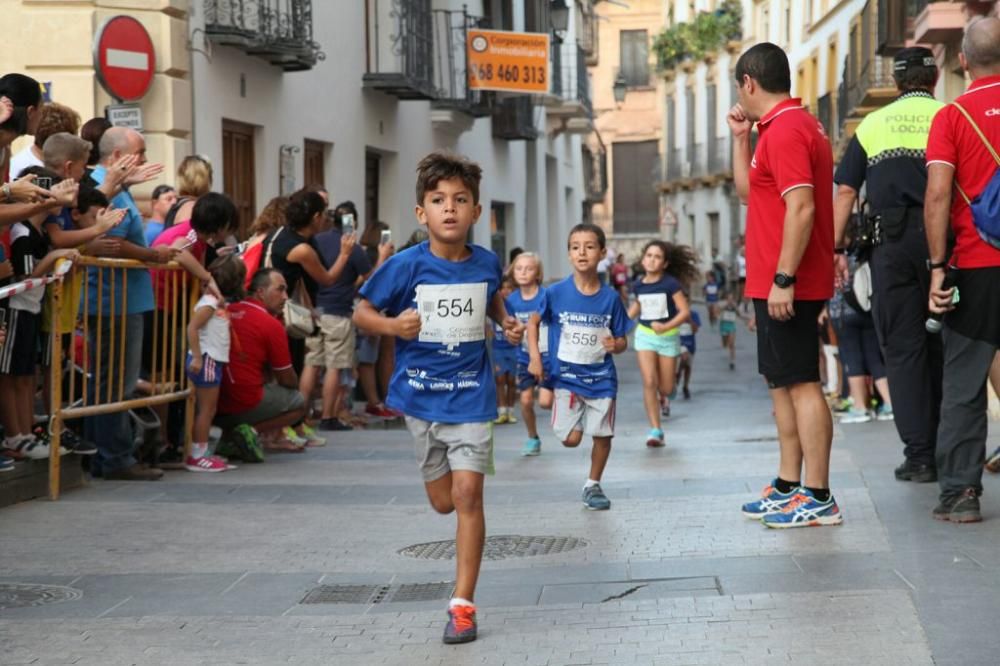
{"x":627,"y":144}
{"x":384,"y":83}
{"x":278,"y":94}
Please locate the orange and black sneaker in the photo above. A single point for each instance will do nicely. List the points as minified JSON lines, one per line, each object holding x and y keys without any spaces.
{"x":461,"y":627}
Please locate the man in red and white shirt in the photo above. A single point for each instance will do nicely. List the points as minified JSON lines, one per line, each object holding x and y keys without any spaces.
{"x":258,"y":347}
{"x":788,"y":185}
{"x":959,"y":163}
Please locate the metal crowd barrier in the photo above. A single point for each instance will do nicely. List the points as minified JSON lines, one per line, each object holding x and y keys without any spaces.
{"x":167,"y":378}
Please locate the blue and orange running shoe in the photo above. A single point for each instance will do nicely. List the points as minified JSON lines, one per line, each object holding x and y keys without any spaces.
{"x":461,"y":627}
{"x":804,"y":510}
{"x":771,"y":501}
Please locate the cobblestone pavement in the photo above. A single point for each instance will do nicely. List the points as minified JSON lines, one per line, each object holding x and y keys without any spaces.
{"x":213,"y":569}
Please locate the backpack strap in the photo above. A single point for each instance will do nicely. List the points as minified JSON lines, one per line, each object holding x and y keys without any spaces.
{"x":270,"y":246}
{"x":982,"y":137}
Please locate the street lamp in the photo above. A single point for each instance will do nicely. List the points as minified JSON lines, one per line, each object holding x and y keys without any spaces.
{"x":559,"y":15}
{"x":620,"y":88}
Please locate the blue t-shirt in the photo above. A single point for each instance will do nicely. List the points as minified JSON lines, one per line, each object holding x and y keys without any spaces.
{"x":687,"y":332}
{"x":523,"y":308}
{"x":712,"y":292}
{"x":577,"y":325}
{"x":656,"y":299}
{"x":444,"y":375}
{"x":338,"y":298}
{"x":153,"y":229}
{"x":140,"y":285}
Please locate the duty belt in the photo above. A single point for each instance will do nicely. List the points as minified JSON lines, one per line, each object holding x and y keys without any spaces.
{"x":890,"y":223}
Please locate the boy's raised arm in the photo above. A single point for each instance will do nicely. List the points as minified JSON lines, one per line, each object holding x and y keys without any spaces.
{"x":406,"y":325}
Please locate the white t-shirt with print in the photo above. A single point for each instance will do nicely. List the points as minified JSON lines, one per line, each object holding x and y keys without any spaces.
{"x":214,"y":336}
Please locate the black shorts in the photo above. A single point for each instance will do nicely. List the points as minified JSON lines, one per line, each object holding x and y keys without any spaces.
{"x":19,"y":353}
{"x":788,"y":351}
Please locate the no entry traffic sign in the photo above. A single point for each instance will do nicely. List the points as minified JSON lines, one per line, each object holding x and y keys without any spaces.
{"x":123,"y":58}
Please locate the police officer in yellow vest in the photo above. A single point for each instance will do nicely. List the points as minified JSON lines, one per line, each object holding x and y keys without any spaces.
{"x":886,"y":154}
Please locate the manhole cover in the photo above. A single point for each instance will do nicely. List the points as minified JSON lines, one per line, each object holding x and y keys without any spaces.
{"x":23,"y":595}
{"x":377,"y":594}
{"x":498,"y":547}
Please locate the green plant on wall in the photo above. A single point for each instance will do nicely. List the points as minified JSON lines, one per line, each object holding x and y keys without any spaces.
{"x":709,"y":31}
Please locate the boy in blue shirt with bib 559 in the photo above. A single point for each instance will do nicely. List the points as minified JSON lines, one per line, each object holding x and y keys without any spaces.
{"x":434,"y":298}
{"x":586,"y":323}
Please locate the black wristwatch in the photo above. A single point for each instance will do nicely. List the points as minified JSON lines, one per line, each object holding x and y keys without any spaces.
{"x":840,"y":250}
{"x":934,"y":265}
{"x":784,"y":280}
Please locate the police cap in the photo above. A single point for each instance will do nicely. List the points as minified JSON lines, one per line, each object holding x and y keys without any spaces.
{"x":914,"y":56}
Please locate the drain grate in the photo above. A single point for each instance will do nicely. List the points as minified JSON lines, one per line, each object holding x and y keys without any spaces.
{"x":24,"y":595}
{"x":498,"y":547}
{"x":340,"y":594}
{"x":378,"y":594}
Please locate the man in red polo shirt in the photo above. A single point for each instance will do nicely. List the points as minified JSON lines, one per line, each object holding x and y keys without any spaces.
{"x":258,"y":347}
{"x":959,"y":166}
{"x":787,"y":185}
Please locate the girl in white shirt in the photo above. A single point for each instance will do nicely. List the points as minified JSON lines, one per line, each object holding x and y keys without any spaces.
{"x":208,"y":354}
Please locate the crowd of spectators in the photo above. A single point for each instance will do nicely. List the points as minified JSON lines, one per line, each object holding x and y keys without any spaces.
{"x":70,"y":192}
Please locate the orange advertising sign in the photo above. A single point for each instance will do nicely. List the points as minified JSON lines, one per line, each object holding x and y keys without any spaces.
{"x":508,"y":61}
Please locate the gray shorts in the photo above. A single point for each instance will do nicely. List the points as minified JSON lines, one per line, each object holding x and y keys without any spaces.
{"x":445,"y":447}
{"x":277,"y":400}
{"x":591,"y":416}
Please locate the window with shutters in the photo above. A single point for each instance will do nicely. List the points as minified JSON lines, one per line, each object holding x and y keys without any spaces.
{"x":636,"y":203}
{"x":689,"y":136}
{"x":634,"y":60}
{"x":239,"y":175}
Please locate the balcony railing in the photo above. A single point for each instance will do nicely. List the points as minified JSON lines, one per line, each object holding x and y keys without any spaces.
{"x":279,"y":31}
{"x":696,"y":156}
{"x":719,"y":156}
{"x":868,"y":76}
{"x":570,"y":84}
{"x":896,"y":19}
{"x":450,"y":68}
{"x":401,"y":48}
{"x":674,"y":160}
{"x":514,"y":119}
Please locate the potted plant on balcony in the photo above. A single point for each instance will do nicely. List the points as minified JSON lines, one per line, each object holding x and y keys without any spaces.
{"x":669,"y":47}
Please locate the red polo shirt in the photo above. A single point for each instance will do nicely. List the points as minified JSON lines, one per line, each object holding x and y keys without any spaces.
{"x":792,"y":151}
{"x":257,"y":343}
{"x":952,"y":136}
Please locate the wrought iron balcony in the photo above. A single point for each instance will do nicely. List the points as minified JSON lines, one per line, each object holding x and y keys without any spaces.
{"x":896,"y":19}
{"x":569,"y":92}
{"x":719,"y":156}
{"x":514,"y":119}
{"x":401,"y":48}
{"x":450,"y":68}
{"x":868,"y":76}
{"x":279,"y":31}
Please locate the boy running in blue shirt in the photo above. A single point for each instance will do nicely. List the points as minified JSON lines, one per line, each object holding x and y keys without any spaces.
{"x":434,"y":298}
{"x":586,"y":323}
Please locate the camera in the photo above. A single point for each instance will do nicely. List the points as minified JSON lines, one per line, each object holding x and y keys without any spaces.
{"x":44,"y":182}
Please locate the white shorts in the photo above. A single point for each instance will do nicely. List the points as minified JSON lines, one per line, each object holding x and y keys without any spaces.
{"x":591,"y":416}
{"x":445,"y":447}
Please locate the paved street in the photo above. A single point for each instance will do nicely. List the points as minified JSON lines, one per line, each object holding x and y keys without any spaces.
{"x":213,"y":569}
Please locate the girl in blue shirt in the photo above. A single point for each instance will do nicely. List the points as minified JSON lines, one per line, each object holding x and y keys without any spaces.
{"x":527,"y":299}
{"x":661,"y":308}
